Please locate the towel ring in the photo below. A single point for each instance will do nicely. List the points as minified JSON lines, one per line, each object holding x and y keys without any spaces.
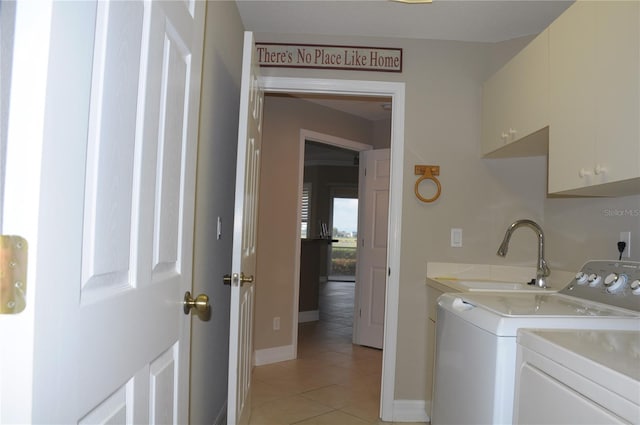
{"x":427,"y":172}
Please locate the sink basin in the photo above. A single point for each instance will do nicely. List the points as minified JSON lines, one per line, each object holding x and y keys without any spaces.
{"x":476,"y":285}
{"x":480,"y":284}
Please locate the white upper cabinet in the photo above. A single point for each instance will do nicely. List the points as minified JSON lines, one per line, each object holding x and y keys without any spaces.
{"x":594,"y":128}
{"x":515,"y":103}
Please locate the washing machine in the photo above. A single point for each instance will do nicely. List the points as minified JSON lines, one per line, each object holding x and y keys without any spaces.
{"x":476,"y":336}
{"x":577,"y":377}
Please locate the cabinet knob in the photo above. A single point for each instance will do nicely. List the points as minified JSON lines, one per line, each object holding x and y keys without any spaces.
{"x":600,"y":169}
{"x":584,"y":173}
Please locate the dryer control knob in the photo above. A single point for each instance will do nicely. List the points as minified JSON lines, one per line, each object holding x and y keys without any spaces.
{"x":594,"y":280}
{"x":581,"y":278}
{"x":635,"y":287}
{"x":615,"y":282}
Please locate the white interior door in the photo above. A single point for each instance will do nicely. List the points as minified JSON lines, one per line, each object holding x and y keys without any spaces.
{"x":107,"y":125}
{"x":244,"y":238}
{"x":371,"y":279}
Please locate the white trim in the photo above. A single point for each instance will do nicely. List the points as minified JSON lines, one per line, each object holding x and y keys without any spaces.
{"x":394,"y":244}
{"x":410,"y":411}
{"x":395,"y":90}
{"x":298,"y":251}
{"x":274,"y":355}
{"x":308,"y":316}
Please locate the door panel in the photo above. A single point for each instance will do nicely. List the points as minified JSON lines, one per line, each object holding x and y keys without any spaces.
{"x":112,"y":124}
{"x":244,"y":238}
{"x":371,"y":281}
{"x":114,"y":236}
{"x":163,"y":386}
{"x":112,"y":410}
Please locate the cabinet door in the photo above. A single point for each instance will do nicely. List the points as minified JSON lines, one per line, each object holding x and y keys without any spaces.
{"x":594,"y":135}
{"x":515,"y":99}
{"x":572,"y":130}
{"x":495,"y":112}
{"x":432,"y":309}
{"x":529,"y":100}
{"x":617,"y":91}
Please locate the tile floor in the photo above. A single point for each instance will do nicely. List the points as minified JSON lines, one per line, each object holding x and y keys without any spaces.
{"x":331,"y":382}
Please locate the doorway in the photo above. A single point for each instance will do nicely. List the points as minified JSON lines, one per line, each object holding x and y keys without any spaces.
{"x":329,"y":169}
{"x":327,"y":252}
{"x":395,"y":91}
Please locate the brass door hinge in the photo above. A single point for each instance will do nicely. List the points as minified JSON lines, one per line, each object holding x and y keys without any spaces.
{"x":13,"y":274}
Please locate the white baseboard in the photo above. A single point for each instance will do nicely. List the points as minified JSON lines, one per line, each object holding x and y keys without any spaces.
{"x":308,"y":316}
{"x":411,"y":411}
{"x":274,"y":355}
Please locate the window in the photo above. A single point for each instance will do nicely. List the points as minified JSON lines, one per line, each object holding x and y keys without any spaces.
{"x":306,"y":210}
{"x":343,"y":252}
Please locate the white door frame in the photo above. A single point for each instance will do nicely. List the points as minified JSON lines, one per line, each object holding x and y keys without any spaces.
{"x":396,"y":91}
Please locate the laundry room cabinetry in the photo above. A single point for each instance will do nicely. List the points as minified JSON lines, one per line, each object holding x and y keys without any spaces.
{"x":515,"y":103}
{"x":594,"y":87}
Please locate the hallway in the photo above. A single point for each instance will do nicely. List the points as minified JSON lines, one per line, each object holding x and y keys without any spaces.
{"x":331,"y":382}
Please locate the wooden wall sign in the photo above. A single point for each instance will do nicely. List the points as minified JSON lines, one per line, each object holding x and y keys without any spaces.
{"x":318,"y":56}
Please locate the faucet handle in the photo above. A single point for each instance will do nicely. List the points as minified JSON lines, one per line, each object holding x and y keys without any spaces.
{"x":541,"y":282}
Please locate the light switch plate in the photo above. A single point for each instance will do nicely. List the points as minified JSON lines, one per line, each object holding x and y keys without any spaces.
{"x":456,"y":238}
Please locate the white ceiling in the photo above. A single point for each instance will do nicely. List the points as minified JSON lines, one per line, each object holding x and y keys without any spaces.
{"x":463,"y":20}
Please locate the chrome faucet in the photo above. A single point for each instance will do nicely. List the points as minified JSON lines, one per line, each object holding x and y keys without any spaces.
{"x":542,"y":271}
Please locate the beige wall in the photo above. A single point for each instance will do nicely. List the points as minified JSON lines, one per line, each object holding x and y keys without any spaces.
{"x":382,"y":134}
{"x":277,"y":220}
{"x":481,"y":196}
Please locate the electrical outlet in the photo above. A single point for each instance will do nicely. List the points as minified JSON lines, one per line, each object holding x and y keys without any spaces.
{"x":276,"y":323}
{"x":626,"y":238}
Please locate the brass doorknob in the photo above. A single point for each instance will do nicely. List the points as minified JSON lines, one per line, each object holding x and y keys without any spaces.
{"x":245,"y":279}
{"x":200,"y":303}
{"x":236,"y":278}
